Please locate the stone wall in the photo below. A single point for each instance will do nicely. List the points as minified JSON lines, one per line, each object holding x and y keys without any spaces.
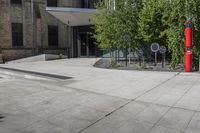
{"x":5,"y":28}
{"x":22,"y":14}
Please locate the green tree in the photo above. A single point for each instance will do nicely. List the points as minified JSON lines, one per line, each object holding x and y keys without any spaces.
{"x":179,"y":11}
{"x":112,"y":23}
{"x":151,"y":27}
{"x":174,"y":17}
{"x":163,"y":21}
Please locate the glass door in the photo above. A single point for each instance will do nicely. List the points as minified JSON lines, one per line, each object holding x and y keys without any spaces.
{"x":83,"y":38}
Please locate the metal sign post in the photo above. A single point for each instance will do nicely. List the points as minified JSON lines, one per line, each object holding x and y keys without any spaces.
{"x":155,"y":47}
{"x":126,"y":39}
{"x":139,"y":53}
{"x":163,"y":50}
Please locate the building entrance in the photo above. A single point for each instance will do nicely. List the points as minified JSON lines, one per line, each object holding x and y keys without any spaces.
{"x":84,"y":43}
{"x":88,"y":47}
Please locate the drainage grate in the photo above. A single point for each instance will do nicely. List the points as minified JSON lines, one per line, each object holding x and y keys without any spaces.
{"x":38,"y":73}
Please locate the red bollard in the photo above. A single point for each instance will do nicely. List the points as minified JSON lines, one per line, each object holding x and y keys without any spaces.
{"x":188,"y":44}
{"x":188,"y":62}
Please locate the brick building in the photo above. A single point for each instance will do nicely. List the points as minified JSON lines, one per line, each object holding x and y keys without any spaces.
{"x":32,"y":27}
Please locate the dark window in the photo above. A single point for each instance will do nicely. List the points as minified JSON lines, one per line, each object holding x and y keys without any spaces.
{"x":52,"y":3}
{"x":17,"y":34}
{"x":16,"y":1}
{"x":89,"y":3}
{"x":53,"y":35}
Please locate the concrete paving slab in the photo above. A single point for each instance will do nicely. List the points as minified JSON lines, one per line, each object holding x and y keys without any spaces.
{"x":115,"y":120}
{"x":194,"y":125}
{"x":134,"y":127}
{"x":16,"y":119}
{"x":38,"y":127}
{"x":152,"y":114}
{"x":104,"y":103}
{"x":160,"y":129}
{"x":58,"y":130}
{"x":189,"y":103}
{"x":176,"y":119}
{"x":76,"y":118}
{"x":168,"y":100}
{"x":97,"y":100}
{"x":194,"y":91}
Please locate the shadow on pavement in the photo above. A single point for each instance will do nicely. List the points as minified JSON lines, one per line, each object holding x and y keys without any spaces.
{"x":1,"y":118}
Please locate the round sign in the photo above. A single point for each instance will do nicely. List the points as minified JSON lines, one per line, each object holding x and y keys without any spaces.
{"x":126,"y":38}
{"x":139,"y":52}
{"x":163,"y":49}
{"x":155,"y":47}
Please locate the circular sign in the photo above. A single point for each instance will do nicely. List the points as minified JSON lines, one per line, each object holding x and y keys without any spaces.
{"x":126,"y":38}
{"x":155,"y":47}
{"x":163,"y":49}
{"x":139,"y":52}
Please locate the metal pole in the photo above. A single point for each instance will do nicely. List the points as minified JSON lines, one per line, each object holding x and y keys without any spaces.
{"x":129,"y":54}
{"x":155,"y":58}
{"x":126,"y":55}
{"x":163,"y":60}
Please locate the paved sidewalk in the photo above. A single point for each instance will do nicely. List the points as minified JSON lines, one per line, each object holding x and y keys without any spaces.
{"x":97,"y":100}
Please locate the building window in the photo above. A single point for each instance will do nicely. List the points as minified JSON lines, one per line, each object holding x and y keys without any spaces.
{"x":89,"y":3}
{"x":52,"y":3}
{"x":16,"y":1}
{"x":53,"y":35}
{"x":17,"y":34}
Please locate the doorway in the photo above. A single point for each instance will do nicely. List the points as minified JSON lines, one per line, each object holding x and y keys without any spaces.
{"x":88,"y":47}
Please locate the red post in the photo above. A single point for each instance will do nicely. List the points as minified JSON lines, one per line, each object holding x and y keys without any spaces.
{"x":188,"y":44}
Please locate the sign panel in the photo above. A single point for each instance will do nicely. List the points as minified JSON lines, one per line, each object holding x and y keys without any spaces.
{"x":163,"y":49}
{"x":155,"y":47}
{"x":139,"y":52}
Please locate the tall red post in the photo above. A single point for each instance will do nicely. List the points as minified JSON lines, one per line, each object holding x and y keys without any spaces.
{"x":188,"y":44}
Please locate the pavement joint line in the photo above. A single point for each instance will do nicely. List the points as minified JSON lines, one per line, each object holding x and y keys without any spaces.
{"x":132,"y":100}
{"x":184,"y":130}
{"x":168,"y":106}
{"x":98,"y":93}
{"x":196,"y":111}
{"x":173,"y":106}
{"x":163,"y":93}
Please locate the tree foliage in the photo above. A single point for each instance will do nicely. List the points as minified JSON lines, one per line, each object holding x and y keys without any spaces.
{"x":112,"y":23}
{"x":174,"y":18}
{"x":163,"y":21}
{"x":148,"y":21}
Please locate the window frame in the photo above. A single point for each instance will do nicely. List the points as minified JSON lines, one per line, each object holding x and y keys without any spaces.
{"x":18,"y":2}
{"x":52,"y":4}
{"x":53,"y":36}
{"x":17,"y":36}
